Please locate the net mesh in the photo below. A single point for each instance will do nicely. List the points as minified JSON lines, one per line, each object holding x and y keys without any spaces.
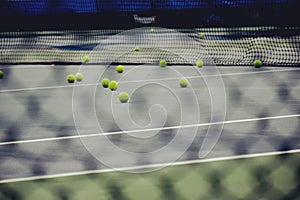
{"x":226,"y":46}
{"x":62,"y":31}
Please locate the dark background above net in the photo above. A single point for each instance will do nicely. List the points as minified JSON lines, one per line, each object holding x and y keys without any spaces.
{"x":94,"y":14}
{"x":93,"y":6}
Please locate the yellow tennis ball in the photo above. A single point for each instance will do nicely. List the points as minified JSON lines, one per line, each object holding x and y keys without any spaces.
{"x":1,"y":74}
{"x":183,"y":82}
{"x":199,"y":63}
{"x":163,"y":63}
{"x":113,"y":85}
{"x":85,"y":59}
{"x":71,"y":78}
{"x":120,"y":68}
{"x":105,"y":82}
{"x":123,"y":97}
{"x":79,"y":76}
{"x":257,"y":63}
{"x":201,"y":35}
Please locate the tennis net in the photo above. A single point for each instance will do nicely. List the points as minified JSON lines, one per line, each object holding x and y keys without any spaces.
{"x":235,"y":32}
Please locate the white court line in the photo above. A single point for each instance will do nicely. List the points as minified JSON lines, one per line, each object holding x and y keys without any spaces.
{"x":34,"y":66}
{"x":161,"y":165}
{"x":215,"y":75}
{"x":146,"y":130}
{"x":134,"y":81}
{"x":104,"y":65}
{"x":44,"y":88}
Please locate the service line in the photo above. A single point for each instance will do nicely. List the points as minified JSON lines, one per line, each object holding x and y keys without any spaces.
{"x":147,"y":130}
{"x":149,"y":80}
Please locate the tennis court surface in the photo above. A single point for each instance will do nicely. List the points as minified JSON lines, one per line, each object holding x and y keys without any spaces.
{"x":231,"y":132}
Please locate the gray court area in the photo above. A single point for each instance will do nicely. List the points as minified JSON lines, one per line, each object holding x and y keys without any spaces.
{"x":36,"y":103}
